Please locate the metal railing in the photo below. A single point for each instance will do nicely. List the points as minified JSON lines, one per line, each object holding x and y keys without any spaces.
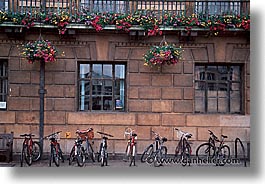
{"x":179,"y":7}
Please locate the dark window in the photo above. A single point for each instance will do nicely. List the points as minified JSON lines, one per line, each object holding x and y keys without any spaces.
{"x":3,"y":84}
{"x":218,"y":89}
{"x":105,"y":6}
{"x":101,"y":87}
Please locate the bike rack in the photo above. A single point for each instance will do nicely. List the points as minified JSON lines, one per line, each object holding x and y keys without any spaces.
{"x":243,"y":149}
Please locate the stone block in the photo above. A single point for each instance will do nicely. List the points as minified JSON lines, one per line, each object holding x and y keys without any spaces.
{"x":162,"y":80}
{"x":17,"y":103}
{"x":188,"y":93}
{"x":101,"y":118}
{"x":161,"y":106}
{"x":173,"y":69}
{"x":183,"y":106}
{"x":7,"y":117}
{"x":139,"y":106}
{"x":54,"y":117}
{"x":28,"y":117}
{"x":183,"y":80}
{"x":235,"y":120}
{"x":171,"y":93}
{"x":29,"y":90}
{"x":54,"y":91}
{"x":149,"y":93}
{"x":16,"y":77}
{"x":133,"y":92}
{"x":173,"y":119}
{"x":64,"y":78}
{"x":188,"y":67}
{"x":64,"y":104}
{"x":203,"y":120}
{"x":136,"y":79}
{"x":148,"y":119}
{"x":163,"y":132}
{"x":82,"y":52}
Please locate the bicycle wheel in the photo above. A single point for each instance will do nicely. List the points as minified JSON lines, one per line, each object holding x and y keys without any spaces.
{"x":103,"y":155}
{"x":163,"y":152}
{"x":205,"y":150}
{"x":22,"y":155}
{"x":55,"y":155}
{"x":186,"y":152}
{"x":28,"y":155}
{"x":91,"y":153}
{"x":72,"y":156}
{"x":147,"y":153}
{"x":126,"y":153}
{"x":158,"y":158}
{"x":222,"y":155}
{"x":80,"y":156}
{"x":132,"y":155}
{"x":36,"y":151}
{"x":99,"y":153}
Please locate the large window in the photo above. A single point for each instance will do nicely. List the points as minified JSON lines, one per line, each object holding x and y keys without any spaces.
{"x":218,"y":7}
{"x":3,"y":84}
{"x":218,"y":89}
{"x":101,"y":87}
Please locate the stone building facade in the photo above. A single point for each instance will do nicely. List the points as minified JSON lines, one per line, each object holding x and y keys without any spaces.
{"x":154,"y":99}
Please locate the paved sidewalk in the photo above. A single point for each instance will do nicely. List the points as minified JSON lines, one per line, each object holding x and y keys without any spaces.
{"x":119,"y":163}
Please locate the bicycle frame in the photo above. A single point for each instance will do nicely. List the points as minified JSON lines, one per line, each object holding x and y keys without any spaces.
{"x":182,"y":144}
{"x":103,"y":153}
{"x":131,"y":145}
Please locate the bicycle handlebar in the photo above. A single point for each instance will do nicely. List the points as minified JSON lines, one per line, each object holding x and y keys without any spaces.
{"x":53,"y":134}
{"x":103,"y":133}
{"x":84,"y":131}
{"x":214,"y":136}
{"x":25,"y":135}
{"x":186,"y":134}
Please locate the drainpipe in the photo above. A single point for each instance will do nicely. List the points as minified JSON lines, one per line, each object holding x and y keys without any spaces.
{"x":42,"y":91}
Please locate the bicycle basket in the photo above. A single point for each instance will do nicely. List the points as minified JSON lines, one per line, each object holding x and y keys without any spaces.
{"x":90,"y":134}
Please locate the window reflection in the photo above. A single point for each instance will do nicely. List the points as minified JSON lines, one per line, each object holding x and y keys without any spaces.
{"x":101,"y":87}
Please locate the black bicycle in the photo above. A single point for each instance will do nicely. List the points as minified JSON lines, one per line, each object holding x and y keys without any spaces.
{"x":212,"y":151}
{"x":103,"y":149}
{"x":31,"y":151}
{"x":183,"y":148}
{"x":156,"y":151}
{"x":56,"y":153}
{"x":80,"y":152}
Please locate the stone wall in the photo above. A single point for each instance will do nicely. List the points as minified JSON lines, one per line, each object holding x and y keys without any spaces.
{"x":156,"y":100}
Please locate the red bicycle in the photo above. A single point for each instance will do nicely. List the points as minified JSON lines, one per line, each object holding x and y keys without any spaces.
{"x":130,"y":150}
{"x":30,"y":151}
{"x":56,"y":153}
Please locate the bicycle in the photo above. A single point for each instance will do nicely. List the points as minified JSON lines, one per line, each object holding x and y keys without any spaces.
{"x":56,"y":153}
{"x":183,"y":148}
{"x":156,"y":151}
{"x":130,"y":150}
{"x":103,"y":152}
{"x":31,"y":151}
{"x":210,"y":150}
{"x":79,"y":152}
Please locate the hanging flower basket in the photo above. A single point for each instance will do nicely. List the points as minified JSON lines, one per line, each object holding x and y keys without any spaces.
{"x":163,"y":54}
{"x":39,"y":50}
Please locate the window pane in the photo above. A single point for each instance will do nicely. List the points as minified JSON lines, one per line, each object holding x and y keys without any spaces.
{"x":97,"y":71}
{"x":120,"y":71}
{"x":119,"y":94}
{"x":223,"y":105}
{"x":200,"y":105}
{"x":84,"y":87}
{"x":96,"y":103}
{"x":107,"y":101}
{"x":84,"y":70}
{"x":107,"y":87}
{"x":235,"y":105}
{"x":107,"y":71}
{"x":97,"y":87}
{"x":84,"y":103}
{"x":235,"y":72}
{"x":212,"y":104}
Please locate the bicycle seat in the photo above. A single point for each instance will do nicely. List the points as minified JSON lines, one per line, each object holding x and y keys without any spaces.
{"x":134,"y":134}
{"x":188,"y":135}
{"x":224,"y":136}
{"x":164,"y":139}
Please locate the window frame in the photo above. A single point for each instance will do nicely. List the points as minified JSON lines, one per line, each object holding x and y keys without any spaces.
{"x":4,"y":82}
{"x":204,"y":83}
{"x":91,"y":80}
